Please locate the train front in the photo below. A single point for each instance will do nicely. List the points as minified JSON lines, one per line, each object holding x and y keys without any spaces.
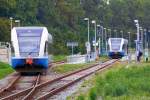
{"x":29,"y":45}
{"x":115,"y":48}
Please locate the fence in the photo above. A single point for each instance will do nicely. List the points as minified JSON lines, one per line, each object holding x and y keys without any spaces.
{"x":5,"y":52}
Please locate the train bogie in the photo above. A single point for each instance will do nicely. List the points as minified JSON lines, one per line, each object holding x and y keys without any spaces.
{"x":116,"y":55}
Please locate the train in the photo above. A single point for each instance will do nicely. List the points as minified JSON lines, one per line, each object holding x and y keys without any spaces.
{"x":117,"y":47}
{"x":30,"y":48}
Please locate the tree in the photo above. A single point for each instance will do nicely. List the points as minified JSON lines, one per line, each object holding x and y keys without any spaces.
{"x":4,"y":30}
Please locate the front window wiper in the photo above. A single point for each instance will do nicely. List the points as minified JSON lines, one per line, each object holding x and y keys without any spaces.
{"x":33,"y":50}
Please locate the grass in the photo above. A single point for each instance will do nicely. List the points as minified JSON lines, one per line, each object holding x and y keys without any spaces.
{"x":59,"y":57}
{"x":64,"y":57}
{"x":121,"y":83}
{"x":5,"y":69}
{"x":70,"y":67}
{"x":103,"y":58}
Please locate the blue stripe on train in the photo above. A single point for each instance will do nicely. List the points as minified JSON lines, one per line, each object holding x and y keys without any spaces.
{"x":19,"y":62}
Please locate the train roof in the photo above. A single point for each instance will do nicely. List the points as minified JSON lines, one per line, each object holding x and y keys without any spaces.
{"x":119,"y":38}
{"x":27,"y":28}
{"x":125,"y":40}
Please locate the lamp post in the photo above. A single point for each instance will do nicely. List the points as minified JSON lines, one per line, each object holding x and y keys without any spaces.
{"x":138,"y":38}
{"x":87,"y":19}
{"x":102,"y":28}
{"x":129,"y":53}
{"x":105,"y":40}
{"x":145,"y":46}
{"x":129,"y":33}
{"x":141,"y":31}
{"x":17,"y":21}
{"x":88,"y":46}
{"x":94,"y":22}
{"x":105,"y":35}
{"x":115,"y":31}
{"x":145,"y":35}
{"x":129,"y":40}
{"x":109,"y":31}
{"x":11,"y":21}
{"x":99,"y":40}
{"x":121,"y":33}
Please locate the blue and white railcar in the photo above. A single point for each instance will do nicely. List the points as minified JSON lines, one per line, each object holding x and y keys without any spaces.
{"x":30,"y":48}
{"x":118,"y":47}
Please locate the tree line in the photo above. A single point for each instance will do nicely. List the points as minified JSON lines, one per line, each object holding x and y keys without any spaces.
{"x":64,"y":18}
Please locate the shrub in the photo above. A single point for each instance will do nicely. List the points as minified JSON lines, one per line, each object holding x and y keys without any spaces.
{"x":92,"y":94}
{"x":81,"y":97}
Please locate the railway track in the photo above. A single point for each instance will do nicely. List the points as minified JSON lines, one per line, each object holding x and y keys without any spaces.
{"x":47,"y":89}
{"x":56,"y":63}
{"x":18,"y":84}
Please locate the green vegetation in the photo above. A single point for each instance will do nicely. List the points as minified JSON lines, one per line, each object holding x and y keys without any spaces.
{"x":70,"y":67}
{"x":5,"y":69}
{"x":64,"y":18}
{"x":103,"y":58}
{"x":59,"y":57}
{"x":121,"y":83}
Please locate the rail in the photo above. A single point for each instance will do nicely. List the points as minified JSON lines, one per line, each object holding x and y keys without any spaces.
{"x":58,"y":84}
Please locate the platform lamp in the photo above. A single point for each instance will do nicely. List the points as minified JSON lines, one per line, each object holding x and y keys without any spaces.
{"x":94,"y":22}
{"x":109,"y":31}
{"x":99,"y":39}
{"x":129,"y":42}
{"x":121,"y":33}
{"x":115,"y":31}
{"x":11,"y":22}
{"x":88,"y":45}
{"x":17,"y":21}
{"x":138,"y":38}
{"x":141,"y":31}
{"x":105,"y":41}
{"x":87,"y":19}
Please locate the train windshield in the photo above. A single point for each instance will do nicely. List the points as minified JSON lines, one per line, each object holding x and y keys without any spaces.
{"x":29,"y":41}
{"x":115,"y":44}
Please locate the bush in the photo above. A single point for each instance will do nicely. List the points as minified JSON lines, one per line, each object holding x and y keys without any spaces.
{"x":120,"y":83}
{"x":81,"y":97}
{"x":92,"y":94}
{"x":5,"y":69}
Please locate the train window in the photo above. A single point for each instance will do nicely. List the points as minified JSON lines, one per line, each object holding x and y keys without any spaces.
{"x":115,"y":47}
{"x":115,"y":44}
{"x":29,"y":42}
{"x":115,"y":41}
{"x":29,"y":32}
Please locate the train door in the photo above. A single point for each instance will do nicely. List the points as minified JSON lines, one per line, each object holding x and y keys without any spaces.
{"x":125,"y":48}
{"x":46,"y":49}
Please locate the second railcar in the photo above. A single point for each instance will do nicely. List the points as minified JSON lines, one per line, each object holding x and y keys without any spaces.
{"x":118,"y":47}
